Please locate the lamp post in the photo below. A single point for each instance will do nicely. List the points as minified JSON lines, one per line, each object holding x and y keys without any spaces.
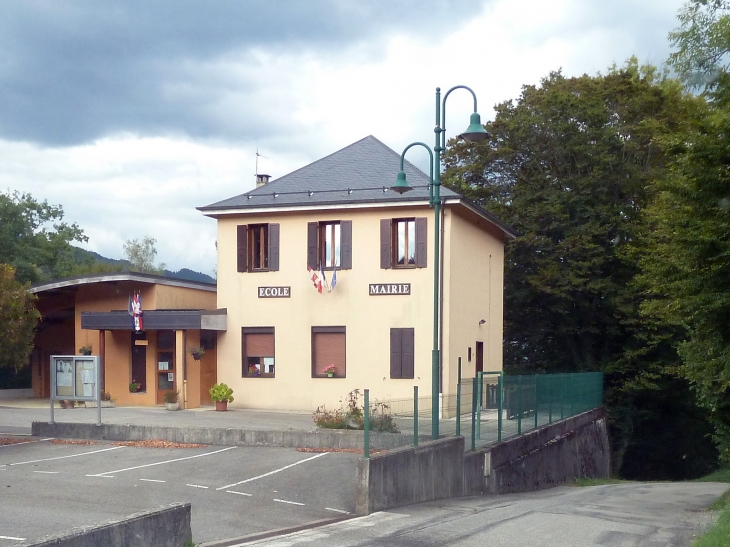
{"x":474,"y":133}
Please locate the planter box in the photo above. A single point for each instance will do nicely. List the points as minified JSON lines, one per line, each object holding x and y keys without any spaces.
{"x":172,"y":406}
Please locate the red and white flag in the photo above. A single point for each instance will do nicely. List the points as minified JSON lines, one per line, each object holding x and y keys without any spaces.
{"x":135,"y":310}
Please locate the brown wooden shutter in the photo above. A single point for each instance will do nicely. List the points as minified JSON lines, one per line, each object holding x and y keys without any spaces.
{"x":386,"y":256}
{"x":421,"y":242}
{"x":274,"y":247}
{"x":395,"y":353}
{"x":328,"y":348}
{"x":346,"y":244}
{"x":407,"y":352}
{"x":242,"y":248}
{"x":312,"y":246}
{"x":259,"y":345}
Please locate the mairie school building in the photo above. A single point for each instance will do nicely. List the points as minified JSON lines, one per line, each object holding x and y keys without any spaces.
{"x":328,"y":270}
{"x":91,"y":313}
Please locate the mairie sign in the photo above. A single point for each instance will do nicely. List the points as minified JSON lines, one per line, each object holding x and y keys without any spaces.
{"x":274,"y":292}
{"x":377,"y":289}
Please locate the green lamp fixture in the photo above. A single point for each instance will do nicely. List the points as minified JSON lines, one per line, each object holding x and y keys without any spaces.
{"x":401,"y":184}
{"x":475,"y":132}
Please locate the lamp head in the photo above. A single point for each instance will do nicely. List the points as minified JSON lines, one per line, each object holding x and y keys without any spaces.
{"x":475,"y":132}
{"x":401,"y":185}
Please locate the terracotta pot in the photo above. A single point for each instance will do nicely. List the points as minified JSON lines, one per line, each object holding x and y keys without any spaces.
{"x":221,"y":406}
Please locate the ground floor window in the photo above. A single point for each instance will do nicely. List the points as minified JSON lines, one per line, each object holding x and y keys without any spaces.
{"x":401,"y":353}
{"x":258,"y":352}
{"x":138,"y":374}
{"x":328,"y":352}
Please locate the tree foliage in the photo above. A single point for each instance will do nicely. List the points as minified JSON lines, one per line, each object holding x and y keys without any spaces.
{"x":570,"y":166}
{"x":34,"y":240}
{"x":18,"y":318}
{"x":141,"y":255}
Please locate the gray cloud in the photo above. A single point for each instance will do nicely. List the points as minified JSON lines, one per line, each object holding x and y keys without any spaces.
{"x":75,"y":71}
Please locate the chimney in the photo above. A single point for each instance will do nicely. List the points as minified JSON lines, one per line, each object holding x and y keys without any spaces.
{"x":261,"y":180}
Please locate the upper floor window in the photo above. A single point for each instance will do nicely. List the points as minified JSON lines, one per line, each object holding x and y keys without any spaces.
{"x":403,"y":243}
{"x":257,"y":247}
{"x":329,"y":244}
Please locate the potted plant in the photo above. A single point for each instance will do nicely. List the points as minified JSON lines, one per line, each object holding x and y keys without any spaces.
{"x":107,"y":401}
{"x":170,"y":398}
{"x":196,"y":351}
{"x":85,"y":350}
{"x":221,"y":394}
{"x":330,"y":370}
{"x":134,"y":386}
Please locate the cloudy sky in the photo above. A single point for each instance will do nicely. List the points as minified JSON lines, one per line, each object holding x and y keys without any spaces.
{"x":130,"y":114}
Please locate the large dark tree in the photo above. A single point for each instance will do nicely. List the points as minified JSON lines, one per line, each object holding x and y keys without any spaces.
{"x":570,"y":166}
{"x":18,"y":318}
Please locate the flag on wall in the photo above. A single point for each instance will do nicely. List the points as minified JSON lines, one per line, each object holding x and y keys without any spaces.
{"x":322,"y":279}
{"x":313,"y":276}
{"x":135,"y":310}
{"x":334,"y":279}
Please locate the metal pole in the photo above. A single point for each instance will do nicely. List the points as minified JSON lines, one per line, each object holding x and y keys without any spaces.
{"x":519,"y":405}
{"x":500,"y":404}
{"x":458,"y":401}
{"x":480,"y":390}
{"x":436,"y":202}
{"x":473,"y":413}
{"x":366,"y":425}
{"x":415,"y":415}
{"x":562,"y":396}
{"x":537,"y":379}
{"x":551,"y":384}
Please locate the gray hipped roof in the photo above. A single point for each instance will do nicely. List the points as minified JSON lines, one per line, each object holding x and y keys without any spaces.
{"x":358,"y":174}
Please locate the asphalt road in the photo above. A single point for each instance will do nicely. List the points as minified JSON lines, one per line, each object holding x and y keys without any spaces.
{"x":48,"y":488}
{"x":621,"y":515}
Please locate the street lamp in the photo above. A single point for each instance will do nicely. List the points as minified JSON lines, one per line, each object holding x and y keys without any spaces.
{"x":474,"y":133}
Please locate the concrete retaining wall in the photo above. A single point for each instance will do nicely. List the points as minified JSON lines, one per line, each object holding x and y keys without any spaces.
{"x":549,"y":456}
{"x":16,"y":393}
{"x":321,"y":438}
{"x":168,"y":526}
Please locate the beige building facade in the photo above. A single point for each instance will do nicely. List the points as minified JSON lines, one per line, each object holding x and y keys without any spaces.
{"x":336,"y":222}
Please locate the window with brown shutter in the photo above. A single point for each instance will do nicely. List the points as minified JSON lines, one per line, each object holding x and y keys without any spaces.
{"x":329,"y":245}
{"x":258,"y":352}
{"x":257,"y":247}
{"x":403,"y":243}
{"x":328,"y":348}
{"x":402,"y":353}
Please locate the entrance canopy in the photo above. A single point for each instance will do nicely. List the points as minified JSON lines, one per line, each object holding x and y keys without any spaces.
{"x":214,"y":320}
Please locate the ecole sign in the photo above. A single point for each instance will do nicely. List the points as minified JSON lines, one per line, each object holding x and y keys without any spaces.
{"x":377,"y":289}
{"x":274,"y":292}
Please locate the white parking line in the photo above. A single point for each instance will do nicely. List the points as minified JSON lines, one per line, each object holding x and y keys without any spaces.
{"x":48,"y":472}
{"x":289,"y":502}
{"x":151,"y":480}
{"x":272,"y":472}
{"x":13,"y":538}
{"x":239,"y":493}
{"x":196,"y":486}
{"x":162,"y":463}
{"x":25,"y":442}
{"x":337,"y":510}
{"x":65,"y":457}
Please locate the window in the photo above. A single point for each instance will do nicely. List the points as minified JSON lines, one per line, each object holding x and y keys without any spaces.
{"x":328,"y":348}
{"x":403,"y":243}
{"x":257,"y":247}
{"x":207,"y":339}
{"x":258,"y":352}
{"x":401,"y":353}
{"x":329,"y":244}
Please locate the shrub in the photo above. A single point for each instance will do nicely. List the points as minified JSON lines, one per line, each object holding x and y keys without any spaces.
{"x":351,"y":416}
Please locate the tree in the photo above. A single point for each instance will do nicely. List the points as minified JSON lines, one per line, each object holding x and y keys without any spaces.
{"x":703,"y":42}
{"x":18,"y":318}
{"x":34,"y":240}
{"x":687,"y":270}
{"x":141,"y":255}
{"x":570,"y":165}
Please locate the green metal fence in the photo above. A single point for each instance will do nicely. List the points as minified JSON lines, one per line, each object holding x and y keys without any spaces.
{"x":489,"y":408}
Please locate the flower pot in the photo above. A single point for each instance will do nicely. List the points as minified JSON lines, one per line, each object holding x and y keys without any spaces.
{"x":221,"y":406}
{"x":172,"y":406}
{"x":330,"y":375}
{"x":67,"y":404}
{"x":196,"y":356}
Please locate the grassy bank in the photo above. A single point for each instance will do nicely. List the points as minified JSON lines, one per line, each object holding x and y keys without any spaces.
{"x":718,"y":535}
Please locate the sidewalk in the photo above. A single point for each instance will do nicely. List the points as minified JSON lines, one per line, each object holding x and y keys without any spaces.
{"x":17,"y":415}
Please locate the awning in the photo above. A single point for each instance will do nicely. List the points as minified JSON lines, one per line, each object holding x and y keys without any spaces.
{"x":216,"y":320}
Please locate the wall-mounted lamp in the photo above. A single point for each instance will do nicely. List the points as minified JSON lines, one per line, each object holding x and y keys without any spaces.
{"x":482,"y":321}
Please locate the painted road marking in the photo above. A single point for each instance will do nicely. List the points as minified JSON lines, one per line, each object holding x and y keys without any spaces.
{"x":65,"y":457}
{"x":239,"y":493}
{"x":151,"y":480}
{"x":48,"y":472}
{"x":162,"y":463}
{"x":13,"y":538}
{"x":196,"y":486}
{"x":337,"y":510}
{"x":272,"y":472}
{"x":101,"y":476}
{"x":24,"y":442}
{"x":289,"y":502}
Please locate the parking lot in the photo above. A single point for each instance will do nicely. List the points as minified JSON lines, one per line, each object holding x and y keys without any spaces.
{"x":48,"y":486}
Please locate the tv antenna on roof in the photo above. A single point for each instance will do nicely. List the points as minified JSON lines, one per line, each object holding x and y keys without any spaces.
{"x":257,"y":160}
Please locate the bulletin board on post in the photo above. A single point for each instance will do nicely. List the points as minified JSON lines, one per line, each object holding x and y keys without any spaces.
{"x":76,"y":378}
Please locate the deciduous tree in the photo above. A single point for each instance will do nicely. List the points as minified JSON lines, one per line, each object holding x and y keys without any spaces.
{"x":18,"y":318}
